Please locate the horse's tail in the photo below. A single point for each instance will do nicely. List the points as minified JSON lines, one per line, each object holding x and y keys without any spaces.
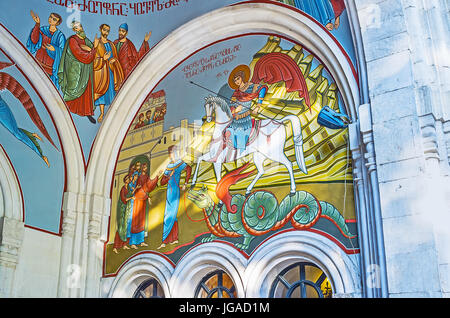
{"x":298,"y":141}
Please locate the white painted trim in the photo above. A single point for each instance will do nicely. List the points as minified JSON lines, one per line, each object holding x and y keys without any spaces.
{"x":203,"y":260}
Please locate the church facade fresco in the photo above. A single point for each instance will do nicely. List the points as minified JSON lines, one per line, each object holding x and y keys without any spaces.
{"x":243,"y":140}
{"x":89,"y":49}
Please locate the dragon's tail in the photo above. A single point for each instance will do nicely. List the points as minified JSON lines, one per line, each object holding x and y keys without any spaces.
{"x":329,"y":212}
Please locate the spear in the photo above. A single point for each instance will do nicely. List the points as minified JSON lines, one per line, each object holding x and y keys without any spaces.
{"x":229,"y":100}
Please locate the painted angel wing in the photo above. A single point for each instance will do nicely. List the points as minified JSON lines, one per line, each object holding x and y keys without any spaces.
{"x":11,"y":84}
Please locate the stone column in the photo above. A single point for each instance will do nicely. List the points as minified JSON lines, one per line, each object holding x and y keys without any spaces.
{"x":11,"y":237}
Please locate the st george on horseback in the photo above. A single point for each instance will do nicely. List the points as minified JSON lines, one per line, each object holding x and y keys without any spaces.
{"x":236,"y":134}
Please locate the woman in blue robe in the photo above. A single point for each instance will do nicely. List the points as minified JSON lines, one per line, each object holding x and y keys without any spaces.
{"x":172,"y":177}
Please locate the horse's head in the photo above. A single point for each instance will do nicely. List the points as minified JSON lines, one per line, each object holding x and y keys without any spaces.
{"x":209,"y":108}
{"x":219,"y":106}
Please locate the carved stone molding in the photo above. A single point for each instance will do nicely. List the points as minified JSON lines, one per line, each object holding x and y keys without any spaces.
{"x":429,"y":137}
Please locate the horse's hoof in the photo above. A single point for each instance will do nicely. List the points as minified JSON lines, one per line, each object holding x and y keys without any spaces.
{"x":220,"y":205}
{"x":291,"y":194}
{"x":247,"y":194}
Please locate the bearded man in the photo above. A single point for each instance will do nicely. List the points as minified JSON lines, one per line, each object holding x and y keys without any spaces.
{"x":76,"y":72}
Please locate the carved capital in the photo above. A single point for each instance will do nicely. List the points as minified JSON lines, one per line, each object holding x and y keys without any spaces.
{"x":429,"y":137}
{"x":98,"y":209}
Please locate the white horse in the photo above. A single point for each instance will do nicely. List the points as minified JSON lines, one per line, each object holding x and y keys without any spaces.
{"x":268,"y":144}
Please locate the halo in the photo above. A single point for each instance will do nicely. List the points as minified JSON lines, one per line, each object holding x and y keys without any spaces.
{"x":240,"y":68}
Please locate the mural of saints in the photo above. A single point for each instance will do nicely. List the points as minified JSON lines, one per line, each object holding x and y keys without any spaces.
{"x":7,"y":82}
{"x":88,"y":74}
{"x":108,"y":73}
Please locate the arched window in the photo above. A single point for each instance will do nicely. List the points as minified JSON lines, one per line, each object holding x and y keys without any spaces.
{"x":149,"y":289}
{"x":301,"y":280}
{"x":216,"y":285}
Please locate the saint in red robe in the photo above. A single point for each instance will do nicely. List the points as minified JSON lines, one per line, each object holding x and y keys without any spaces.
{"x":147,"y":185}
{"x":129,"y":56}
{"x":279,"y":67}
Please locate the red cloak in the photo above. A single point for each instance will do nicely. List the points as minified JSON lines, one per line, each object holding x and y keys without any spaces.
{"x":279,"y":67}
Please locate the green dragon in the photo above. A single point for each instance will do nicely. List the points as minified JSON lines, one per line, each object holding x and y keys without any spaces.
{"x":259,"y":213}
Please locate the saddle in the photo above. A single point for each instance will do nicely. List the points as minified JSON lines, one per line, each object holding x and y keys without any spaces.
{"x":228,"y":142}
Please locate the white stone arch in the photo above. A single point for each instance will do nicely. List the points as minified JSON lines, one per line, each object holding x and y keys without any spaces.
{"x":138,"y":270}
{"x":204,"y":259}
{"x":288,"y":248}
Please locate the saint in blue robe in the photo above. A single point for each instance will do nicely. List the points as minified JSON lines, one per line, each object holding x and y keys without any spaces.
{"x":58,"y":41}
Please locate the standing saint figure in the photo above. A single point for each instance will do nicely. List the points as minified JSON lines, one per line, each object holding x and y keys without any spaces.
{"x":338,"y":7}
{"x":124,"y":210}
{"x":144,"y":186}
{"x":108,"y":73}
{"x":172,"y":177}
{"x":47,"y":43}
{"x":324,"y":11}
{"x":76,"y":72}
{"x":128,"y":55}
